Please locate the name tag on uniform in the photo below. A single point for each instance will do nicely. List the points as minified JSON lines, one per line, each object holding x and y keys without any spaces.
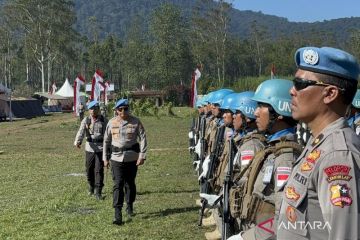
{"x":268,"y":174}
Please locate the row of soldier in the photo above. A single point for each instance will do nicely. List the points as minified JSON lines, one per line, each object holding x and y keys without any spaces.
{"x":283,"y":162}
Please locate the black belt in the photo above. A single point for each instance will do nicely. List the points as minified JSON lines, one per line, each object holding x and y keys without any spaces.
{"x":135,"y":148}
{"x":100,"y":140}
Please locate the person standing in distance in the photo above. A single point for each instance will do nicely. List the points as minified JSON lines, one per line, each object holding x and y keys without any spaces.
{"x":93,"y":128}
{"x":322,"y":192}
{"x":121,"y":135}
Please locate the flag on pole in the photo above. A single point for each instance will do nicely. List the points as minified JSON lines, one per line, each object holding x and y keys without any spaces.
{"x":53,"y":88}
{"x":194,"y":78}
{"x":79,"y":81}
{"x":273,"y":71}
{"x":97,"y":80}
{"x":106,"y":91}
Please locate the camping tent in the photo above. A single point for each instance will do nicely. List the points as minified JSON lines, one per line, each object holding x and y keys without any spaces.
{"x":20,"y":108}
{"x":66,"y":91}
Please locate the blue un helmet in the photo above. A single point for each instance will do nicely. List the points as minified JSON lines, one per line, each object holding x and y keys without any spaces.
{"x":244,"y":103}
{"x":228,"y":101}
{"x":356,"y":101}
{"x":218,"y":95}
{"x":199,"y":102}
{"x":276,"y":93}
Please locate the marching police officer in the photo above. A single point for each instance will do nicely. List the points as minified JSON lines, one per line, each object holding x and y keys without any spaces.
{"x":93,"y":128}
{"x":127,"y":154}
{"x":321,"y":197}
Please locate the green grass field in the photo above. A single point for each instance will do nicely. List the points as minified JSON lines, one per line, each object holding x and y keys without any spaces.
{"x":40,"y":200}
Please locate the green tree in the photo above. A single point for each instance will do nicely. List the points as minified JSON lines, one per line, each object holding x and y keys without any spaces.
{"x":171,"y":62}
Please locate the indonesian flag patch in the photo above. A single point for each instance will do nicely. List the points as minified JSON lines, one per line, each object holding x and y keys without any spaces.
{"x":246,"y":157}
{"x":282,"y":175}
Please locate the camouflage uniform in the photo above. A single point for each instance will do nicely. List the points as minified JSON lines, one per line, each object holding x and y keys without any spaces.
{"x":261,"y":208}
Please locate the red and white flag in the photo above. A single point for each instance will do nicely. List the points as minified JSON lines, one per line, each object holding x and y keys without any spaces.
{"x":273,"y":71}
{"x":53,"y":88}
{"x":97,"y":80}
{"x":106,"y":91}
{"x":194,"y":78}
{"x":246,"y":156}
{"x":282,"y":175}
{"x":79,"y":81}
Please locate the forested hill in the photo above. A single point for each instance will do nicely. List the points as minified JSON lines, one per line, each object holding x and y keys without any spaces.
{"x":116,"y":16}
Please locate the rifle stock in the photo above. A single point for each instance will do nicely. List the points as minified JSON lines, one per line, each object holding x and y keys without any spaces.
{"x":226,"y":220}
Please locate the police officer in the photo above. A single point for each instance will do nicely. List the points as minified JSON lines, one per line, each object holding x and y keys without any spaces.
{"x":93,"y":128}
{"x":270,"y":168}
{"x":321,"y":197}
{"x":127,"y":154}
{"x":354,"y":119}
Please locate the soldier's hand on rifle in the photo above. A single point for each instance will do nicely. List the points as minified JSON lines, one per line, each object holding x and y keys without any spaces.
{"x":205,"y":168}
{"x":213,"y":200}
{"x":197,"y":163}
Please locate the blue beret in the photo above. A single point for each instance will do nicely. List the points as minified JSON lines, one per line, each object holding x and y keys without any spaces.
{"x":121,"y":102}
{"x":92,"y":104}
{"x":329,"y":61}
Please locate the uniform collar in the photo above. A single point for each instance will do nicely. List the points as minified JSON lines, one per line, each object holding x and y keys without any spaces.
{"x":338,"y":124}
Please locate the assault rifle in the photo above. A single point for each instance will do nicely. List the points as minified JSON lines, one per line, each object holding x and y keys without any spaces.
{"x":226,"y":218}
{"x":202,"y":142}
{"x":205,"y":184}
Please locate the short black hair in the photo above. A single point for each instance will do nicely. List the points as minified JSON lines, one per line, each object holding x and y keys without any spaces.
{"x":349,"y":87}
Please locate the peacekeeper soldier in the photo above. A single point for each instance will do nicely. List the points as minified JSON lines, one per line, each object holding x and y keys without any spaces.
{"x":321,"y":197}
{"x":270,"y":168}
{"x":212,"y":131}
{"x":354,"y":119}
{"x":127,"y":154}
{"x":248,"y":141}
{"x":93,"y":128}
{"x":220,"y":167}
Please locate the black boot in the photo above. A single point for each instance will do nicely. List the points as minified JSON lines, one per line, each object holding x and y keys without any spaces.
{"x":130,"y":210}
{"x":98,"y":194}
{"x":118,"y":217}
{"x":91,"y":190}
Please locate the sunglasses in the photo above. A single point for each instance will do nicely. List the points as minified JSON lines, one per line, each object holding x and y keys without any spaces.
{"x":301,"y":83}
{"x":123,"y":109}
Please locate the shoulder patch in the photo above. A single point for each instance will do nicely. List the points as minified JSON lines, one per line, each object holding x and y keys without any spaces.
{"x":246,"y":157}
{"x":282,"y":175}
{"x":338,"y":172}
{"x":340,"y":195}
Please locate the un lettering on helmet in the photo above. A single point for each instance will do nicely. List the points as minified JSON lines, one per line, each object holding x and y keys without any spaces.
{"x":284,"y":106}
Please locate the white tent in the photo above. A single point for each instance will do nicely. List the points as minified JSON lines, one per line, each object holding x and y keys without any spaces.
{"x":66,"y":90}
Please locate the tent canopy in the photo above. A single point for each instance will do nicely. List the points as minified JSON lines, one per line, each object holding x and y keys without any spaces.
{"x":49,"y":96}
{"x":66,"y":90}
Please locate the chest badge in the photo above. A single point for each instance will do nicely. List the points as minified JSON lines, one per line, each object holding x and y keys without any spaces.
{"x":291,"y":194}
{"x":313,"y":156}
{"x":306,"y":166}
{"x":291,"y":214}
